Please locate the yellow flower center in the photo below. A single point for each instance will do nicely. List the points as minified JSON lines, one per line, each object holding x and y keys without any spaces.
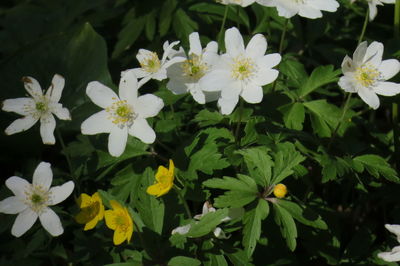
{"x":41,"y":106}
{"x":91,"y":211}
{"x":194,"y":68}
{"x":367,"y":75}
{"x":243,"y":68}
{"x":151,"y":63}
{"x":37,"y":198}
{"x":280,"y":191}
{"x":122,"y":221}
{"x":121,"y":113}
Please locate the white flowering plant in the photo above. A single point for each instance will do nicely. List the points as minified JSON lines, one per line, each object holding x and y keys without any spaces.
{"x":253,"y":132}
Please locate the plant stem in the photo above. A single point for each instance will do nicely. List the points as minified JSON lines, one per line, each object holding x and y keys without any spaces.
{"x":364,"y":27}
{"x":239,"y":121}
{"x":222,"y":25}
{"x":346,"y":106}
{"x":178,"y":191}
{"x":283,"y":35}
{"x":63,"y":147}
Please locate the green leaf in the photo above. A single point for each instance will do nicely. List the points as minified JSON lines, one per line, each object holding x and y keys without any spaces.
{"x":294,"y":70}
{"x":215,"y":260}
{"x":242,"y":190}
{"x":285,"y":159}
{"x":293,"y":115}
{"x":165,"y":18}
{"x":332,"y":167}
{"x":128,"y":35}
{"x":207,"y":118}
{"x":377,"y":166}
{"x":258,"y":163}
{"x":302,"y":214}
{"x":251,"y":136}
{"x":252,"y":226}
{"x":287,"y":225}
{"x":207,"y":223}
{"x":183,"y":261}
{"x":321,"y":76}
{"x":183,"y":25}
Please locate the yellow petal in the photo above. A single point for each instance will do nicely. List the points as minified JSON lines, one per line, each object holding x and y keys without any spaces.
{"x":171,"y":169}
{"x":115,"y":205}
{"x":91,"y":224}
{"x":84,"y":200}
{"x":82,"y":217}
{"x":161,"y":173}
{"x":119,"y":236}
{"x":110,"y":219}
{"x":154,"y":190}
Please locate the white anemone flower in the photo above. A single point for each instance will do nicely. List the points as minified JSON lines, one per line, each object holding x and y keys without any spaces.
{"x":394,"y":254}
{"x":151,"y":67}
{"x":33,"y":200}
{"x":207,"y":207}
{"x":242,"y":3}
{"x":305,"y":8}
{"x":184,"y":76}
{"x":38,"y":107}
{"x":373,"y":10}
{"x":241,"y":71}
{"x":366,"y":74}
{"x":122,"y":115}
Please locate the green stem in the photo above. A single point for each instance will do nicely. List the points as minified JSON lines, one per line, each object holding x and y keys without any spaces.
{"x":237,"y":16}
{"x":220,"y":34}
{"x":239,"y":121}
{"x":63,"y":147}
{"x":364,"y":27}
{"x":346,"y":106}
{"x":281,"y":42}
{"x":185,"y":205}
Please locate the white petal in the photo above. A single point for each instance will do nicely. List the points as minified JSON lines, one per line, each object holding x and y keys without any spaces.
{"x":387,"y":88}
{"x":215,"y":80}
{"x":43,"y":176}
{"x":373,"y":11}
{"x":51,"y":222}
{"x":60,"y":193}
{"x":211,"y":96}
{"x":389,"y":68}
{"x":227,"y":105}
{"x":347,"y":84}
{"x":175,"y":60}
{"x":60,"y":111}
{"x":197,"y":94}
{"x":359,"y":53}
{"x":101,"y":95}
{"x":219,"y":233}
{"x":142,"y":131}
{"x":32,"y":86}
{"x":117,"y":141}
{"x":391,"y":256}
{"x":310,"y":12}
{"x":182,"y":230}
{"x":18,"y":186}
{"x":212,"y":47}
{"x":128,"y":87}
{"x":47,"y":126}
{"x":21,"y":106}
{"x":144,"y":81}
{"x":252,"y":93}
{"x":347,"y":64}
{"x":393,"y":228}
{"x":168,"y":49}
{"x":326,"y":5}
{"x":55,"y":90}
{"x":369,"y":97}
{"x":257,"y":46}
{"x":234,"y":42}
{"x":287,"y":12}
{"x":12,"y":205}
{"x":195,"y":45}
{"x":23,"y":222}
{"x":148,"y":105}
{"x":374,"y":53}
{"x":20,"y":125}
{"x":97,"y":123}
{"x":265,"y":76}
{"x":269,"y":60}
{"x":139,"y":72}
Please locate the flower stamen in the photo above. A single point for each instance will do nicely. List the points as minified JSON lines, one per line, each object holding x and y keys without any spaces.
{"x":243,"y":68}
{"x":367,"y":75}
{"x":121,"y":113}
{"x":151,"y":63}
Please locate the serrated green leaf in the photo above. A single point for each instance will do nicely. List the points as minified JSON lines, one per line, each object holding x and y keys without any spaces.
{"x":242,"y":190}
{"x":333,"y":167}
{"x":183,"y":261}
{"x":258,"y":163}
{"x":165,"y":18}
{"x":322,"y":75}
{"x":207,"y":223}
{"x":183,"y":25}
{"x":128,"y":35}
{"x":252,"y":226}
{"x":287,"y":225}
{"x":293,"y":115}
{"x":294,"y":70}
{"x":377,"y":166}
{"x":302,"y":214}
{"x":215,"y":260}
{"x":285,"y":159}
{"x":207,"y":118}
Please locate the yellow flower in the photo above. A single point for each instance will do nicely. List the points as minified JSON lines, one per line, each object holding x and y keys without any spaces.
{"x":164,"y":180}
{"x":92,"y":210}
{"x":119,"y":220}
{"x":280,"y":191}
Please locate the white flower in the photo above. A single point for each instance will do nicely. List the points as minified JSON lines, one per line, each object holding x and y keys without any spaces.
{"x":150,"y":65}
{"x":242,"y":3}
{"x":185,"y":76}
{"x":373,"y":11}
{"x":366,"y":74}
{"x":122,"y":115}
{"x":207,"y":207}
{"x":305,"y":8}
{"x":32,"y":200}
{"x":394,"y":254}
{"x":40,"y":106}
{"x":241,"y":71}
